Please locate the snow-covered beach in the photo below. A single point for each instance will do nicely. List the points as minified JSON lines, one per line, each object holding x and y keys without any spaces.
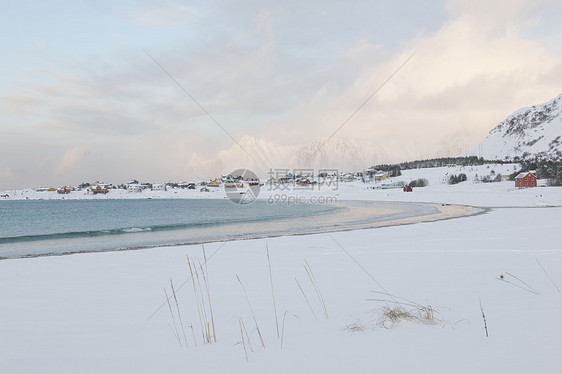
{"x":107,"y":312}
{"x":281,"y":187}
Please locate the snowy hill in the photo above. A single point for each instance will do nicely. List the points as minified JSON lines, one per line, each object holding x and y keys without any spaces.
{"x":529,"y":132}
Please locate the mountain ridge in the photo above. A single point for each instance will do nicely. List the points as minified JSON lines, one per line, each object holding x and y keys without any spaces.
{"x":529,"y":132}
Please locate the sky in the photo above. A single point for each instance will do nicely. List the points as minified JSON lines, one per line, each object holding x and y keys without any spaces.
{"x":161,"y":90}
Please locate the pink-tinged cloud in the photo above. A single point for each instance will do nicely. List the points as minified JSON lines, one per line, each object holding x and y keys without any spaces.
{"x":71,"y":159}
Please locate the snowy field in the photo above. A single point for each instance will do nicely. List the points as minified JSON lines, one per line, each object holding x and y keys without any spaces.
{"x":107,"y":312}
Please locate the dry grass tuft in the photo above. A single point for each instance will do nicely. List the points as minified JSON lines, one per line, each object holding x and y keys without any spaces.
{"x":393,"y":315}
{"x":357,"y":326}
{"x":426,"y":313}
{"x":389,"y":316}
{"x":199,"y":276}
{"x":405,"y":310}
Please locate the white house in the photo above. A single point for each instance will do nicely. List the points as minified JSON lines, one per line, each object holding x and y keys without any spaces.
{"x":131,"y":187}
{"x":158,"y":187}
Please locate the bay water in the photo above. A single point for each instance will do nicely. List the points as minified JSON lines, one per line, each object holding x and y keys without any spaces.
{"x":30,"y":228}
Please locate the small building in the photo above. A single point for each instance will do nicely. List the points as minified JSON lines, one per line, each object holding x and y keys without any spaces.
{"x":381,"y":176}
{"x":158,"y":187}
{"x":63,"y":190}
{"x":303,"y":182}
{"x":387,"y":185}
{"x":347,"y":177}
{"x":99,"y":190}
{"x":525,"y":179}
{"x":233,"y":185}
{"x":132,"y":187}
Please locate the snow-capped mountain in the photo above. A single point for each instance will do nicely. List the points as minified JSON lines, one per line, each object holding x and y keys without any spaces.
{"x":320,"y":153}
{"x":262,"y":156}
{"x":529,"y":132}
{"x":337,"y":153}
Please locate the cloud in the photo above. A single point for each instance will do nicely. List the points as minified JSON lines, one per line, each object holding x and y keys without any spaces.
{"x":153,"y":12}
{"x":463,"y":79}
{"x":284,"y":74}
{"x":19,"y":105}
{"x":265,"y":21}
{"x":71,"y":158}
{"x":6,"y":175}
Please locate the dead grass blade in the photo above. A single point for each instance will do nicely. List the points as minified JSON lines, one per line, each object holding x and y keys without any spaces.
{"x":283,"y":329}
{"x":179,"y":313}
{"x":484,"y":318}
{"x":252,"y":310}
{"x":517,"y":285}
{"x":272,"y":291}
{"x":247,"y":336}
{"x":520,"y":280}
{"x":196,"y":296}
{"x":193,"y":333}
{"x":209,"y":294}
{"x":306,"y":299}
{"x":316,"y":288}
{"x":243,"y":342}
{"x":394,"y":297}
{"x":176,"y":332}
{"x":207,"y":332}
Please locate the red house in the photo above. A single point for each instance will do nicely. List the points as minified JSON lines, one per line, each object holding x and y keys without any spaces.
{"x":98,"y":189}
{"x":63,"y":190}
{"x":525,"y":179}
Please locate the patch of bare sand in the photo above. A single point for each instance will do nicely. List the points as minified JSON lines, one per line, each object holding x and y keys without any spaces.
{"x":445,"y":211}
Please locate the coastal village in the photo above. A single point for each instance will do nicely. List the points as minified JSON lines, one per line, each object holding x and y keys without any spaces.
{"x":302,"y":179}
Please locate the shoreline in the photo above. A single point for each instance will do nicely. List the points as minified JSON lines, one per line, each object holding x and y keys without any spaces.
{"x":353,"y":208}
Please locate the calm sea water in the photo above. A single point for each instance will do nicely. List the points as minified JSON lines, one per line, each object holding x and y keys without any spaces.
{"x":35,"y":228}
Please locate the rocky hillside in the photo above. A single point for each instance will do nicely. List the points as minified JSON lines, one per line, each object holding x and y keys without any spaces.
{"x":529,"y":132}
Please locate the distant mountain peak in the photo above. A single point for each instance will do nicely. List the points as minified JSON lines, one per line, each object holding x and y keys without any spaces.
{"x":530,"y":132}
